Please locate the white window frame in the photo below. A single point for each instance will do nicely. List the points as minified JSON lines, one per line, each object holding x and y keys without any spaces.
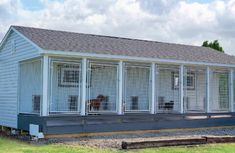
{"x":62,"y":70}
{"x":176,"y":75}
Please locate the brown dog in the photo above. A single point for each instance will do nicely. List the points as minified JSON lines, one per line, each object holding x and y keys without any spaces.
{"x":95,"y":103}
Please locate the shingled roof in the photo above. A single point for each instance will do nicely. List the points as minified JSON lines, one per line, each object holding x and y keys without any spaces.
{"x":97,"y":44}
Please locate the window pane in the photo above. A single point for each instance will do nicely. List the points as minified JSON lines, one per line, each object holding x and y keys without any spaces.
{"x":71,"y":76}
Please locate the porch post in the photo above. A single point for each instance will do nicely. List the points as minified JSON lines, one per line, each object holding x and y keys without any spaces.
{"x":120,"y":88}
{"x":231,"y":88}
{"x":45,"y":85}
{"x":153,"y":77}
{"x":207,"y":89}
{"x":84,"y":76}
{"x":181,"y":88}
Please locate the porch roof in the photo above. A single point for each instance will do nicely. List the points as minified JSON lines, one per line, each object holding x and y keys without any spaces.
{"x":96,"y":44}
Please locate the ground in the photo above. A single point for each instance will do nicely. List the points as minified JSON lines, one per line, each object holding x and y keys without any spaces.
{"x":14,"y":146}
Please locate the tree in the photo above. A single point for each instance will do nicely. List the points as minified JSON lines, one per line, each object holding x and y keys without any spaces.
{"x":214,"y":45}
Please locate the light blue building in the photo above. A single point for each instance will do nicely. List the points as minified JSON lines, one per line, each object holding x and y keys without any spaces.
{"x":64,"y":82}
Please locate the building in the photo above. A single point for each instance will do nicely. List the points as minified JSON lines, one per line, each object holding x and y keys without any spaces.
{"x":65,"y":82}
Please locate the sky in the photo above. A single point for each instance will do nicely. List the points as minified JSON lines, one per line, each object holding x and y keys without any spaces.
{"x":174,"y":21}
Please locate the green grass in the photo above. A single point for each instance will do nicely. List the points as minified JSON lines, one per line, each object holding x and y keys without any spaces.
{"x":13,"y":146}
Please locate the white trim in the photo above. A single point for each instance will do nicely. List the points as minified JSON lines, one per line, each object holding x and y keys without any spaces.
{"x":137,"y":111}
{"x":130,"y":58}
{"x":31,"y":60}
{"x":45,"y":86}
{"x":103,"y":112}
{"x":181,"y":87}
{"x":231,"y":88}
{"x":156,"y":87}
{"x":83,"y":89}
{"x":63,"y":62}
{"x":207,"y":89}
{"x":120,"y":88}
{"x":153,"y":72}
{"x":67,"y":112}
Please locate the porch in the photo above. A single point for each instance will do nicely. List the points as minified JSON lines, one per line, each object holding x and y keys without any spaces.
{"x":60,"y":91}
{"x":76,"y":124}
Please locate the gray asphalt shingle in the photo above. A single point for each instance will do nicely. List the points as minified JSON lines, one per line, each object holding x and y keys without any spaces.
{"x":97,"y":44}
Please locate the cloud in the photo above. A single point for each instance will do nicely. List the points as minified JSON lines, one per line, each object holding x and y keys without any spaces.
{"x":177,"y":21}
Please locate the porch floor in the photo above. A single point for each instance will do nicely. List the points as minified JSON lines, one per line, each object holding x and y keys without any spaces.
{"x":68,"y":124}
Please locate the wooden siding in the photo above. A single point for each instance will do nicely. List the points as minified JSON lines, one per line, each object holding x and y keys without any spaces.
{"x":9,"y":76}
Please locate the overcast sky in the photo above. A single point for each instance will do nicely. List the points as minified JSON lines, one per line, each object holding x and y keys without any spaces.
{"x":175,"y":21}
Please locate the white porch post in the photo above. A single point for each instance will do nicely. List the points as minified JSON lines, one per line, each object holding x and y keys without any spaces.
{"x":84,"y":76}
{"x":181,"y":88}
{"x":120,"y":88}
{"x":153,"y":72}
{"x":231,"y":88}
{"x":45,"y":85}
{"x":207,"y":89}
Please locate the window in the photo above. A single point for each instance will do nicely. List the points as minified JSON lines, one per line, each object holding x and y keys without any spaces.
{"x":69,"y":75}
{"x":189,"y":82}
{"x":36,"y":103}
{"x":73,"y":103}
{"x":175,"y":80}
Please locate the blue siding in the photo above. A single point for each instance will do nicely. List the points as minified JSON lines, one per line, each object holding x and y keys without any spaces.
{"x":9,"y":61}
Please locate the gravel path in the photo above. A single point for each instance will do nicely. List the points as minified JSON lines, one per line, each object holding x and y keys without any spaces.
{"x":114,"y":140}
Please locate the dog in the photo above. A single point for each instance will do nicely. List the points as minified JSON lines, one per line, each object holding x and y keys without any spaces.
{"x":95,"y":103}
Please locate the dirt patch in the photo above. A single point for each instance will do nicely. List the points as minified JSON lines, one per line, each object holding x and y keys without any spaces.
{"x":117,"y":143}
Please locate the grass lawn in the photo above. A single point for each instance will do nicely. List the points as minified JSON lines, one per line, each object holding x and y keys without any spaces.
{"x":13,"y":146}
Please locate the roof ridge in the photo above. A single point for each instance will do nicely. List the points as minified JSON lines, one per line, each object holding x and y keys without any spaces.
{"x":107,"y":36}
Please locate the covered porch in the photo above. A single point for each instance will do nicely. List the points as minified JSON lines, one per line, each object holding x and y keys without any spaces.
{"x":57,"y":86}
{"x":86,"y":93}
